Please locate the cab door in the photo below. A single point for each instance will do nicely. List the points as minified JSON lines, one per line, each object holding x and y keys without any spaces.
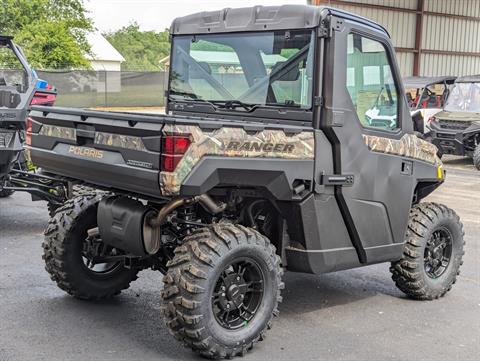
{"x":365,"y":113}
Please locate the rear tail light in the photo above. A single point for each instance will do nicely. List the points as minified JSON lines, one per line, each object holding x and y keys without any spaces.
{"x":42,"y":98}
{"x":28,"y":137}
{"x":174,"y":148}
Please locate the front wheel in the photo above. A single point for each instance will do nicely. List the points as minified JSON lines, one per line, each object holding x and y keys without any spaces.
{"x":432,"y":253}
{"x":476,"y":157}
{"x":222,"y":289}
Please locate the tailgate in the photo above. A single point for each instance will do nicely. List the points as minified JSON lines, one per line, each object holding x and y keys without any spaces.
{"x":117,"y":150}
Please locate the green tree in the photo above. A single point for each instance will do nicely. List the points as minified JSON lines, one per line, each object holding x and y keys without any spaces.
{"x":142,"y":50}
{"x":52,"y":33}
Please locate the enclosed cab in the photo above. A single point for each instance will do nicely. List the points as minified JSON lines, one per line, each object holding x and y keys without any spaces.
{"x":267,"y":160}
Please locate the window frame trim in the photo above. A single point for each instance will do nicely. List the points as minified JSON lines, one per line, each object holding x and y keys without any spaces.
{"x":393,"y":69}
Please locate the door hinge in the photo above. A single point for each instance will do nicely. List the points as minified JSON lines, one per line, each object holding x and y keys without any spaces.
{"x":324,"y":29}
{"x":318,"y":101}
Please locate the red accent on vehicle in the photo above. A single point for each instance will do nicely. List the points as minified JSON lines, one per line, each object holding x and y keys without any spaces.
{"x":431,"y":119}
{"x":170,"y":162}
{"x":173,"y":149}
{"x":43,"y":98}
{"x":28,"y":138}
{"x":174,"y":144}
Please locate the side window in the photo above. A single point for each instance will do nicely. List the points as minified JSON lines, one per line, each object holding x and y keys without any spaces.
{"x":370,"y":83}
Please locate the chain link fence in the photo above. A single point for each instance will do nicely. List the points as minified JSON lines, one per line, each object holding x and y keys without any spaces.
{"x":91,"y":89}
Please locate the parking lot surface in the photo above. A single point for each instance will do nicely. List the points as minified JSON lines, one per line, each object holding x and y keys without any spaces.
{"x":350,"y":315}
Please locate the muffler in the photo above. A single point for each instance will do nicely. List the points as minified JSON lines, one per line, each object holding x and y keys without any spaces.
{"x":124,"y":223}
{"x":129,"y":225}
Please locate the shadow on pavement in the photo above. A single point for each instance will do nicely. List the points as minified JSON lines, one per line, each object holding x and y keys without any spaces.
{"x":305,"y":293}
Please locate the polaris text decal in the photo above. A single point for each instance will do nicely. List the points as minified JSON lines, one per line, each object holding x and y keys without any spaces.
{"x":86,"y":152}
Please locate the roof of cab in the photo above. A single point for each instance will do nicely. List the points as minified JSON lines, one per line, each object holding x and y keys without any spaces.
{"x":262,"y":18}
{"x":424,"y":81}
{"x":468,"y":79}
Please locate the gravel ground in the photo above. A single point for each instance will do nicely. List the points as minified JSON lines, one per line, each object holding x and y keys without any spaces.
{"x":350,"y":315}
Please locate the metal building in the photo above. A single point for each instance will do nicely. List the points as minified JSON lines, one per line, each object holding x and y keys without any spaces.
{"x":431,"y":37}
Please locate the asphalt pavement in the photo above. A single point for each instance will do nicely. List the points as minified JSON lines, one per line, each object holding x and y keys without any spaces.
{"x":350,"y":315}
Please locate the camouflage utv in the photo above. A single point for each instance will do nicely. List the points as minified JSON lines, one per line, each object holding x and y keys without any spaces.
{"x":264,"y":162}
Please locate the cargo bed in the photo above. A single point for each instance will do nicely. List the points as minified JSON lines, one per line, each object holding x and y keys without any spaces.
{"x":119,"y":150}
{"x":123,"y":151}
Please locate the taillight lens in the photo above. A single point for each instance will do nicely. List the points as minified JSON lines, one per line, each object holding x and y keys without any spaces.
{"x":173,"y":149}
{"x":41,"y":98}
{"x":28,"y":138}
{"x":170,"y":162}
{"x":174,"y":144}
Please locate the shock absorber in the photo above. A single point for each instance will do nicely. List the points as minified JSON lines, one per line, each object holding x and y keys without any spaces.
{"x":186,"y":214}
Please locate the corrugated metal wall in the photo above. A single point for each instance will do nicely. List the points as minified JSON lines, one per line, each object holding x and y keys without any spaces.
{"x":440,"y":33}
{"x":451,"y":34}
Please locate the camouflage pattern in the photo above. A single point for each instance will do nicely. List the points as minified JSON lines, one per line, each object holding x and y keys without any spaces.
{"x":409,"y":146}
{"x":120,"y":141}
{"x":58,"y":132}
{"x":273,"y":144}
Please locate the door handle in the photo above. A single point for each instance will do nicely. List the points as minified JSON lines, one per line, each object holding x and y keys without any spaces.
{"x":407,"y":167}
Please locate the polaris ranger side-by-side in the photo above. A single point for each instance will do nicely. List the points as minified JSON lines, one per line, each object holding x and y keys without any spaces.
{"x":456,"y":129}
{"x":263,"y":162}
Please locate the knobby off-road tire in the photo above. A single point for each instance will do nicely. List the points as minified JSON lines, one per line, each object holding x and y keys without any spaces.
{"x":476,"y":157}
{"x":64,"y":238}
{"x":197,"y":272}
{"x":4,"y":193}
{"x":429,"y":139}
{"x":78,"y":190}
{"x":434,"y":232}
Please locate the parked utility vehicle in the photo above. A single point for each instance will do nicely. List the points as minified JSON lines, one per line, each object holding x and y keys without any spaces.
{"x":252,"y":171}
{"x":456,"y":129}
{"x":19,"y":88}
{"x":426,"y":96}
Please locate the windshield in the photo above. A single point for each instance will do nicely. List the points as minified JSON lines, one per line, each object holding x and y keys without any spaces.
{"x":261,"y":68}
{"x":465,"y":97}
{"x":12,"y":73}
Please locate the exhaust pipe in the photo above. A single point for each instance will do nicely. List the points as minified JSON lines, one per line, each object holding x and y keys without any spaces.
{"x":129,"y":225}
{"x":205,"y":200}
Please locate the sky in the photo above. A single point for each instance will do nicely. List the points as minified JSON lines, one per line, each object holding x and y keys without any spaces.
{"x":159,"y":14}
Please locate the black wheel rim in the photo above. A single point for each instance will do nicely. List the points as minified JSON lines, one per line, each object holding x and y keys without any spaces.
{"x":94,"y":253}
{"x":238,"y":294}
{"x":438,"y":253}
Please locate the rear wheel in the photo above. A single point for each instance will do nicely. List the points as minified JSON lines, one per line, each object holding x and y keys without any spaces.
{"x":83,"y":265}
{"x":222,"y":289}
{"x":476,"y":157}
{"x":4,"y":193}
{"x":78,"y":190}
{"x":432,"y":254}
